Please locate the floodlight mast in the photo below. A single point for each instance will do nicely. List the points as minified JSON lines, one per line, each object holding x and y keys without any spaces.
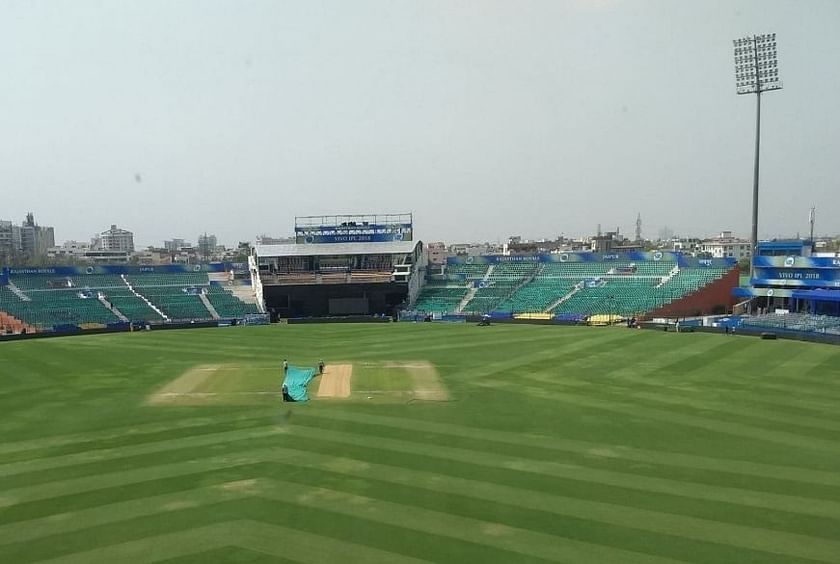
{"x":756,"y":71}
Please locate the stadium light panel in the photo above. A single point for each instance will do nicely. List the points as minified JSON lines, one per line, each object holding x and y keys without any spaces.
{"x":756,"y":64}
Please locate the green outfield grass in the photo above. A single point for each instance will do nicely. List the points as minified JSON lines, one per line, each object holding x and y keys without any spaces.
{"x":553,"y":445}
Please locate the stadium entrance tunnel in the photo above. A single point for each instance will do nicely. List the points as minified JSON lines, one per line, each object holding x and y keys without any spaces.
{"x":323,"y":300}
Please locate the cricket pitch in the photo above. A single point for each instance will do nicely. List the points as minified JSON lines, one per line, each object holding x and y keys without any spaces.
{"x":253,"y":384}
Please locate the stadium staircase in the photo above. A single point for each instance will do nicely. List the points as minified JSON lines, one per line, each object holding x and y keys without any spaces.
{"x":245,"y":293}
{"x":440,"y":296}
{"x":256,"y":284}
{"x":18,"y":292}
{"x":203,"y":297}
{"x":665,"y":279}
{"x":564,"y":298}
{"x":500,"y":284}
{"x":140,"y":296}
{"x":104,"y":301}
{"x":470,"y":295}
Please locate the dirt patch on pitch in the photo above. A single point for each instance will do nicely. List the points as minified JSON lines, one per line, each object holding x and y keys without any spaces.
{"x":426,"y":383}
{"x":186,"y":384}
{"x":335,"y":381}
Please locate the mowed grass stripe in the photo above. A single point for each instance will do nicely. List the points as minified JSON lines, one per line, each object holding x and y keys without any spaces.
{"x":561,"y":353}
{"x":635,"y":371}
{"x":136,"y":438}
{"x":694,"y":400}
{"x":135,"y":430}
{"x":111,"y":512}
{"x":447,"y":455}
{"x":50,"y":490}
{"x":813,"y":364}
{"x":79,"y":520}
{"x":454,"y":346}
{"x":433,"y":481}
{"x":600,"y":450}
{"x":652,"y":529}
{"x":735,"y":496}
{"x":567,"y":471}
{"x":195,"y":454}
{"x":322,"y":525}
{"x":787,"y":544}
{"x":670,"y":417}
{"x":229,"y":554}
{"x":101,"y":385}
{"x":486,"y":533}
{"x":294,"y":544}
{"x":150,"y":454}
{"x":133,"y":450}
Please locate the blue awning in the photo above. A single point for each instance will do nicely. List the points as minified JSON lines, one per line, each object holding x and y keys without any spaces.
{"x":751,"y":292}
{"x":818,"y":295}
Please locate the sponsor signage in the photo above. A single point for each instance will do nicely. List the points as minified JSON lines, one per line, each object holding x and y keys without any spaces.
{"x":353,"y":238}
{"x":817,"y":277}
{"x":81,"y":271}
{"x":798,"y":262}
{"x":585,"y":256}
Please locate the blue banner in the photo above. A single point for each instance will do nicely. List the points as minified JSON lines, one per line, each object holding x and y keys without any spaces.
{"x":354,"y":229}
{"x":805,"y":275}
{"x":584,"y":256}
{"x":117,"y":269}
{"x":769,"y":292}
{"x":798,"y":262}
{"x":353,"y":238}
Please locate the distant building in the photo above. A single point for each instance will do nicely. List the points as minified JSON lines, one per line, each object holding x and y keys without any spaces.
{"x":152,"y":255}
{"x":726,"y":246}
{"x":437,"y":253}
{"x":474,"y":249}
{"x":269,"y":240}
{"x":519,"y":246}
{"x":27,"y":240}
{"x":609,"y":242}
{"x":10,"y":244}
{"x":75,"y":250}
{"x":207,"y":246}
{"x":102,"y":256}
{"x":176,"y":245}
{"x":35,"y":239}
{"x":116,"y":240}
{"x":687,"y":245}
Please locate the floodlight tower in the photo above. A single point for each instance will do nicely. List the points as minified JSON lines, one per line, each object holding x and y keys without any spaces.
{"x":756,"y":71}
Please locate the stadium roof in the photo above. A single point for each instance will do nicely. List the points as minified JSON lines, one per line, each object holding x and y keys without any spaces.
{"x":321,"y":249}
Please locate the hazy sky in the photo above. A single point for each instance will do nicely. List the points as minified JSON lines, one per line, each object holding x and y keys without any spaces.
{"x":484,"y":118}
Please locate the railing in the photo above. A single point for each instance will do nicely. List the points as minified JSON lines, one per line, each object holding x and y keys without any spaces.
{"x":355,"y":276}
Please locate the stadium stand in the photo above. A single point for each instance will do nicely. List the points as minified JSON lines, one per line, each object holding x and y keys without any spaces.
{"x":804,"y":322}
{"x":46,"y":301}
{"x":466,"y":271}
{"x":228,"y":305}
{"x":570,"y":288}
{"x":53,"y":307}
{"x":440,"y":297}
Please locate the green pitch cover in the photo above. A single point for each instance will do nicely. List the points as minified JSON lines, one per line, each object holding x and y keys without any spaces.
{"x":297,"y":379}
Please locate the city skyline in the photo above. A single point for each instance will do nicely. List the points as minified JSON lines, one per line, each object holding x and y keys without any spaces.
{"x":535,"y":119}
{"x":665,"y":233}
